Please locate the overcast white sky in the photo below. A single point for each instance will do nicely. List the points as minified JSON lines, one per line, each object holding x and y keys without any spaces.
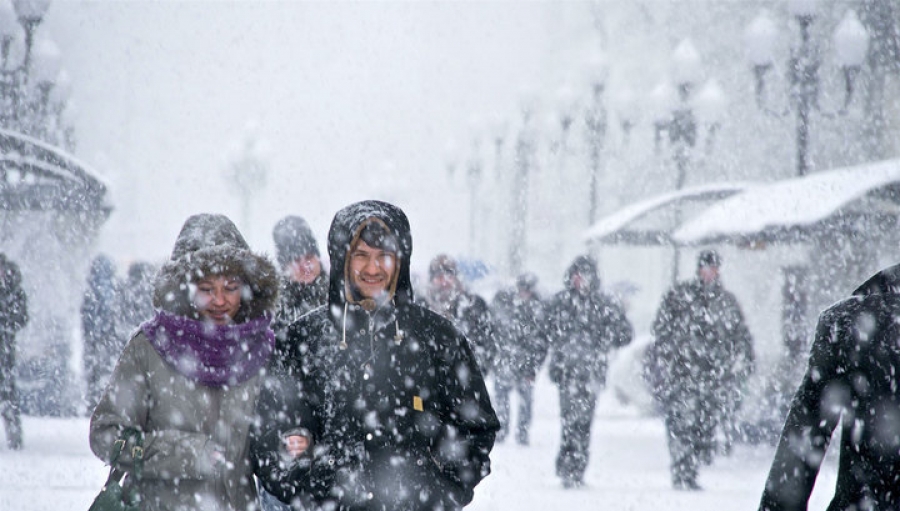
{"x":356,"y":100}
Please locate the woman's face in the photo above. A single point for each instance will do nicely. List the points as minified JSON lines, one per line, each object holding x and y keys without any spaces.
{"x":218,"y":298}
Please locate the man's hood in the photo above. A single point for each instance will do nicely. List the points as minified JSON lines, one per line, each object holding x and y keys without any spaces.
{"x":345,"y":228}
{"x":886,"y":281}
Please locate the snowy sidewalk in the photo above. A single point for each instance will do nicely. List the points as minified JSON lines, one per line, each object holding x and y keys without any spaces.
{"x":628,"y":469}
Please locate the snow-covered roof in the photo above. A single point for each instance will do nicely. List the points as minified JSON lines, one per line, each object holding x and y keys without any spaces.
{"x":651,"y":221}
{"x":784,"y":210}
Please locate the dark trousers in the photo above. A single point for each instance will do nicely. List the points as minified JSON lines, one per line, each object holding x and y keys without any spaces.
{"x":690,"y":429}
{"x":503,"y":387}
{"x":576,"y":405}
{"x":9,"y":396}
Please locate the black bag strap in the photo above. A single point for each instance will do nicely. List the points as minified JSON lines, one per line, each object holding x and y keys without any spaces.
{"x":116,"y":473}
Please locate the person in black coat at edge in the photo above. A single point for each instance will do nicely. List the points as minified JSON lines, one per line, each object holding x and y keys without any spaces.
{"x":380,"y":404}
{"x":851,"y":379}
{"x":583,"y":325}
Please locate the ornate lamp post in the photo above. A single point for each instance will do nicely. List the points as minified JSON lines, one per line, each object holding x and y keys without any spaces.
{"x":680,"y":112}
{"x":851,"y":45}
{"x":32,"y":98}
{"x":247,"y":171}
{"x":596,"y":119}
{"x":524,"y":163}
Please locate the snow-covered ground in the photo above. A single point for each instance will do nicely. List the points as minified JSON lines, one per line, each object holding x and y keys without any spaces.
{"x":628,"y":469}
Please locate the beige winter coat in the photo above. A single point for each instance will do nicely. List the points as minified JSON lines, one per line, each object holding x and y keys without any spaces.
{"x":186,"y":422}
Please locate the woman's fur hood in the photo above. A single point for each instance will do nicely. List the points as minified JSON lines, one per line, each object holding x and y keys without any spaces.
{"x":208,"y":245}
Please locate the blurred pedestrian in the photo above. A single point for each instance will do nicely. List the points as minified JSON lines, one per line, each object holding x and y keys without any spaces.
{"x":13,"y":317}
{"x":521,"y":350}
{"x":137,"y":298}
{"x":100,"y":333}
{"x":189,"y":378}
{"x":381,"y":405}
{"x":851,"y":380}
{"x":447,"y":295}
{"x":702,"y":355}
{"x":303,"y":286}
{"x":584,"y":326}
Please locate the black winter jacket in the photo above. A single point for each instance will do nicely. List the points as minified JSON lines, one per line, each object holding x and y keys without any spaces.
{"x":852,"y":380}
{"x":393,"y":399}
{"x":583,"y":328}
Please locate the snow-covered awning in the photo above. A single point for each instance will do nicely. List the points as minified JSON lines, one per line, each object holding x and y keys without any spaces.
{"x":652,"y":221}
{"x":38,"y":176}
{"x":795,"y":210}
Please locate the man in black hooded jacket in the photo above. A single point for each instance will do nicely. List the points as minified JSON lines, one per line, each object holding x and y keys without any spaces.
{"x":583,"y":325}
{"x":851,"y":379}
{"x":387,"y":393}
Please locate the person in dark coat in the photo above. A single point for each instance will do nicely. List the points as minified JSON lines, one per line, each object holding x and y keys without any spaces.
{"x":851,"y":379}
{"x":521,"y":350}
{"x":448,"y":296}
{"x":137,"y":297}
{"x":583,"y":326}
{"x":702,"y":353}
{"x":100,"y":327}
{"x":381,"y":405}
{"x":303,"y":286}
{"x":13,"y":317}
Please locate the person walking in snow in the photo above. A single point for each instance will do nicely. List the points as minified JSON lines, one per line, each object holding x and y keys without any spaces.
{"x":100,"y":326}
{"x":381,"y":405}
{"x":448,"y":296}
{"x":583,"y":325}
{"x":189,"y":378}
{"x":521,"y":350}
{"x":702,"y":353}
{"x":13,"y":317}
{"x":851,"y":380}
{"x":137,"y":298}
{"x":303,"y":286}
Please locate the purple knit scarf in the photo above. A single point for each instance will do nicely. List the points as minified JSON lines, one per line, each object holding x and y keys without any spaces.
{"x":213,"y":355}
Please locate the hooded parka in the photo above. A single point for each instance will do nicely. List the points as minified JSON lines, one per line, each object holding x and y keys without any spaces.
{"x":391,"y":395}
{"x":851,"y":379}
{"x":195,"y":431}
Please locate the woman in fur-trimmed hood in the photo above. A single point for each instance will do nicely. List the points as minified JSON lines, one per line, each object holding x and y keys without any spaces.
{"x":188,"y":379}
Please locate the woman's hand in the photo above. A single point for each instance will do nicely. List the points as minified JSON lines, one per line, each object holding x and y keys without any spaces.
{"x":296,"y":445}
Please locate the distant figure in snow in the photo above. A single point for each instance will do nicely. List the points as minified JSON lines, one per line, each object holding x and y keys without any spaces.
{"x":13,"y":317}
{"x":521,"y":349}
{"x":447,"y":295}
{"x":851,"y":379}
{"x":189,"y":378}
{"x":137,"y":297}
{"x":701,"y":356}
{"x":380,"y":405}
{"x":100,"y":332}
{"x":584,"y":326}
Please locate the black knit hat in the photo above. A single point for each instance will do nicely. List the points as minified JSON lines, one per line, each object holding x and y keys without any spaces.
{"x":293,"y":240}
{"x":709,"y":258}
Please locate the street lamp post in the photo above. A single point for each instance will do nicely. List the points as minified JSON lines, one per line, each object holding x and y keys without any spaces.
{"x":851,"y":44}
{"x":678,"y":106}
{"x":32,"y":91}
{"x":596,"y":119}
{"x":524,"y":161}
{"x":247,"y":171}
